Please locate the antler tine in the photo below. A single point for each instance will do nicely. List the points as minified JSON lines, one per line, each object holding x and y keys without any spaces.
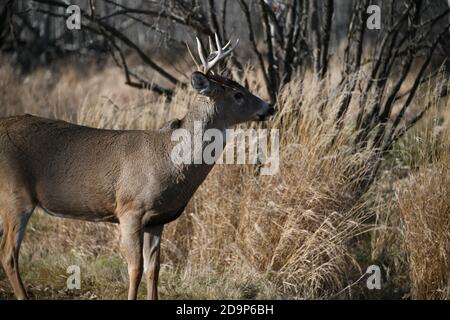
{"x":219,"y":46}
{"x":233,"y":47}
{"x":211,"y":48}
{"x":226,"y":46}
{"x":202,"y":57}
{"x":192,"y":56}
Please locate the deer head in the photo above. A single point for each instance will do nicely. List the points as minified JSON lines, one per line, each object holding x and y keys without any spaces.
{"x":232,"y":102}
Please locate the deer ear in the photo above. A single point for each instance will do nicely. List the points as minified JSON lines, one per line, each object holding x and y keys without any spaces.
{"x":226,"y":73}
{"x":200,"y":82}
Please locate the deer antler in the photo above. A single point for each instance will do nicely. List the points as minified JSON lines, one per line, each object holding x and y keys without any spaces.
{"x":215,"y":55}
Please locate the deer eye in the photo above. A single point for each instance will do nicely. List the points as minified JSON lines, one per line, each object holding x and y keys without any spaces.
{"x":238,"y":97}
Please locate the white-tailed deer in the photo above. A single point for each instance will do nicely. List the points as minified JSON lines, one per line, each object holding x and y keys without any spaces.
{"x":124,"y":177}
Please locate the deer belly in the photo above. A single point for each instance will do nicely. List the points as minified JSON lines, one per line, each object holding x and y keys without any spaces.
{"x":77,"y":205}
{"x":87,"y":216}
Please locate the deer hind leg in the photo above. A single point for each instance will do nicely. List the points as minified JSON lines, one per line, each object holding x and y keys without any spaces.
{"x":16,"y":207}
{"x":14,"y":225}
{"x":152,"y":244}
{"x":131,"y":243}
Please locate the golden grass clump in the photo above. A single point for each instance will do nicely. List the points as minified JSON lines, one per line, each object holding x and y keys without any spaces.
{"x":424,"y":205}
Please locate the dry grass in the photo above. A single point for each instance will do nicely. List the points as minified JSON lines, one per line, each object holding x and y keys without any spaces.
{"x":412,"y":205}
{"x":297,"y":234}
{"x":424,"y":205}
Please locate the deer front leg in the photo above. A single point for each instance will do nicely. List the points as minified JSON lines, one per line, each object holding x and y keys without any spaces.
{"x":152,"y":244}
{"x":131,"y":234}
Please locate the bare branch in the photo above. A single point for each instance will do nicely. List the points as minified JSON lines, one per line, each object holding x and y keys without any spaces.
{"x":252,"y":39}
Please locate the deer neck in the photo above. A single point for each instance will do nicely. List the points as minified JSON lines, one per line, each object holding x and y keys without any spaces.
{"x":197,"y":121}
{"x":203,"y":114}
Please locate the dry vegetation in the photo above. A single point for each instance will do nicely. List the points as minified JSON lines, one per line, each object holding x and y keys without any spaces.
{"x":306,"y":232}
{"x":424,"y":205}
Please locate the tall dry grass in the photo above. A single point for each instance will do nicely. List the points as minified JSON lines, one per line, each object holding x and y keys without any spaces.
{"x":424,"y":205}
{"x":292,"y":235}
{"x":412,"y":205}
